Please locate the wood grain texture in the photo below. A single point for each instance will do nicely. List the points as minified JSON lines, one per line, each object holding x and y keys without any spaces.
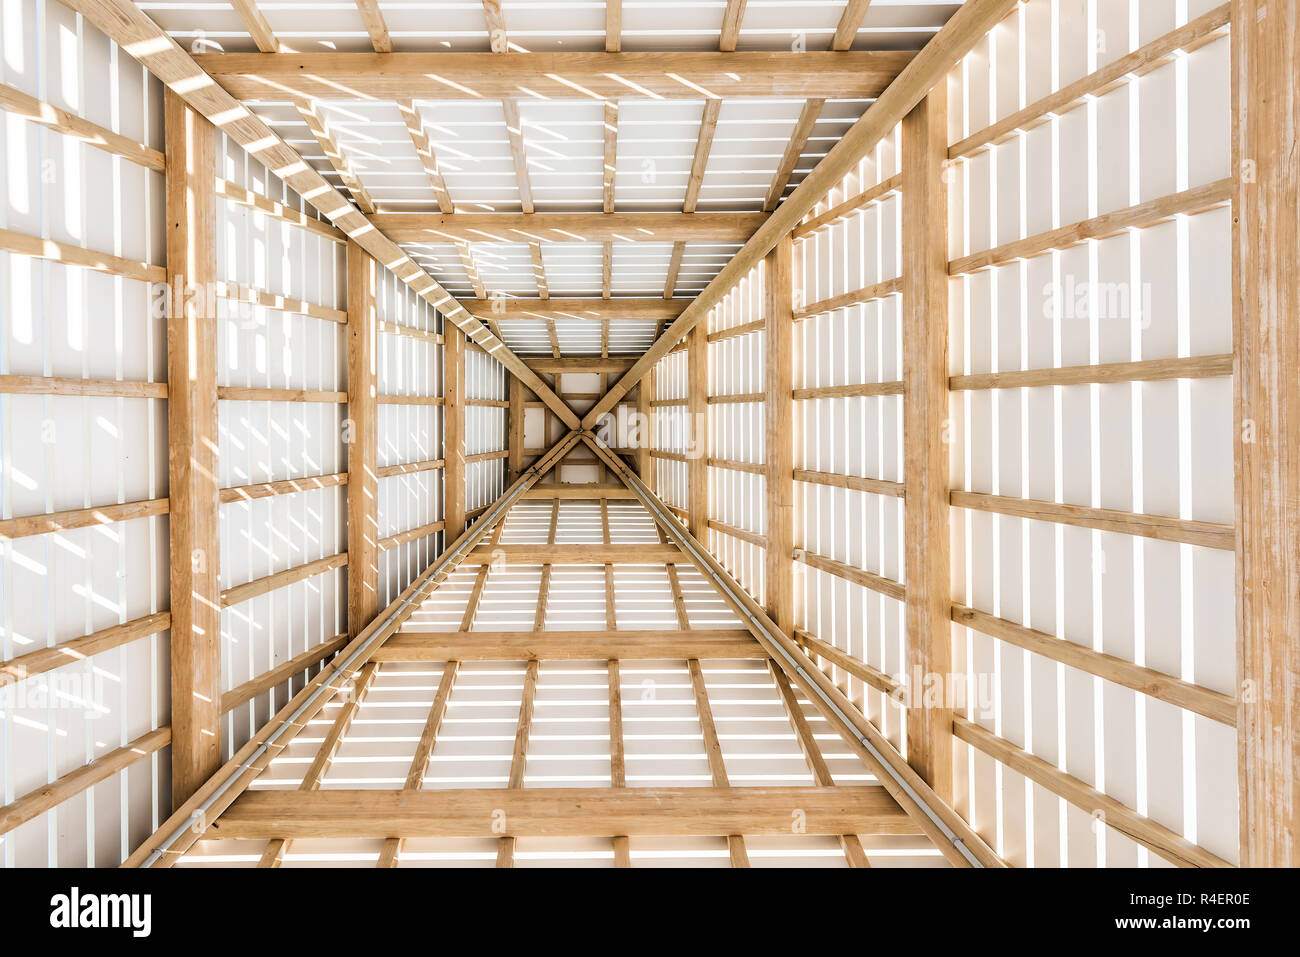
{"x":1266,"y":301}
{"x":778,"y":411}
{"x":926,"y":533}
{"x":193,"y":440}
{"x":363,"y":440}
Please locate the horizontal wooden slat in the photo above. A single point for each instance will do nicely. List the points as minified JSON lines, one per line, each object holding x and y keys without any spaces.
{"x":647,"y":554}
{"x":753,"y":468}
{"x":739,"y":398}
{"x":78,"y":649}
{"x":80,"y":518}
{"x":286,"y":214}
{"x":487,"y":456}
{"x":817,"y":648}
{"x":410,"y":535}
{"x":246,"y":493}
{"x":744,"y":534}
{"x":855,"y":482}
{"x":269,"y":583}
{"x":283,"y":672}
{"x":410,"y":332}
{"x":1144,"y":370}
{"x":879,"y":290}
{"x":260,"y":297}
{"x":1165,"y":529}
{"x":37,"y":802}
{"x":391,"y":398}
{"x":568,"y":812}
{"x":415,"y":644}
{"x":743,"y":329}
{"x":579,"y":364}
{"x":1198,"y":199}
{"x":580,"y":491}
{"x":848,"y":207}
{"x":61,"y":121}
{"x":388,"y":471}
{"x":877,"y":583}
{"x":63,"y":385}
{"x":1120,"y":816}
{"x":1141,"y":61}
{"x":568,"y":227}
{"x":491,"y":76}
{"x":70,"y":255}
{"x":239,"y":393}
{"x":856,"y":390}
{"x":1157,"y":684}
{"x":590,"y":309}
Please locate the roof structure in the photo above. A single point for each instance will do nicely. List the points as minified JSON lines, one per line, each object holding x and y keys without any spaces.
{"x":647,"y":432}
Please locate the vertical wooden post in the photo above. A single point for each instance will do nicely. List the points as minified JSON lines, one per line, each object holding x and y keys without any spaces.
{"x":778,"y":313}
{"x":363,"y":441}
{"x":453,"y":436}
{"x":192,"y":442}
{"x":1266,"y":307}
{"x":925,"y":454}
{"x":645,"y":391}
{"x":697,"y":395}
{"x":515,"y":443}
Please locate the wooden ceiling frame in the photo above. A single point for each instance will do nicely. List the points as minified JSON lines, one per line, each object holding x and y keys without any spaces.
{"x":138,"y":35}
{"x":968,"y":26}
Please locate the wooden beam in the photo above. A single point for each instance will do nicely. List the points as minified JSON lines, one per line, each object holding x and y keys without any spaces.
{"x":41,"y":660}
{"x":778,"y":411}
{"x":29,"y":108}
{"x":611,"y":154}
{"x":515,"y":438}
{"x":579,"y":491}
{"x":925,"y":453}
{"x":803,"y":128}
{"x":613,"y":26}
{"x":1188,"y":531}
{"x":580,"y":364}
{"x":592,"y":309}
{"x":821,"y":773}
{"x":251,"y":17}
{"x":493,"y":76}
{"x":697,"y":394}
{"x":850,"y":23}
{"x":363,"y":441}
{"x":193,"y":440}
{"x":373,"y":18}
{"x":1164,"y":842}
{"x":1266,"y":301}
{"x":519,"y":756}
{"x":415,"y":644}
{"x":578,"y":554}
{"x":281,"y":673}
{"x":958,"y":36}
{"x":674,"y":269}
{"x":29,"y":525}
{"x":276,"y":848}
{"x":453,"y":433}
{"x":498,"y":39}
{"x":530,"y":226}
{"x":617,"y":756}
{"x":392,"y":849}
{"x":515,"y":133}
{"x":333,"y":153}
{"x":731,"y":18}
{"x":568,"y":812}
{"x":713,"y":752}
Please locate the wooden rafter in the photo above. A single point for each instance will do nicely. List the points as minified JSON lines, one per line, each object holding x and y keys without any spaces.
{"x":628,"y":227}
{"x":613,"y":26}
{"x":731,"y":18}
{"x":373,"y":18}
{"x":255,"y":23}
{"x":478,"y":76}
{"x":320,"y":131}
{"x":616,"y":310}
